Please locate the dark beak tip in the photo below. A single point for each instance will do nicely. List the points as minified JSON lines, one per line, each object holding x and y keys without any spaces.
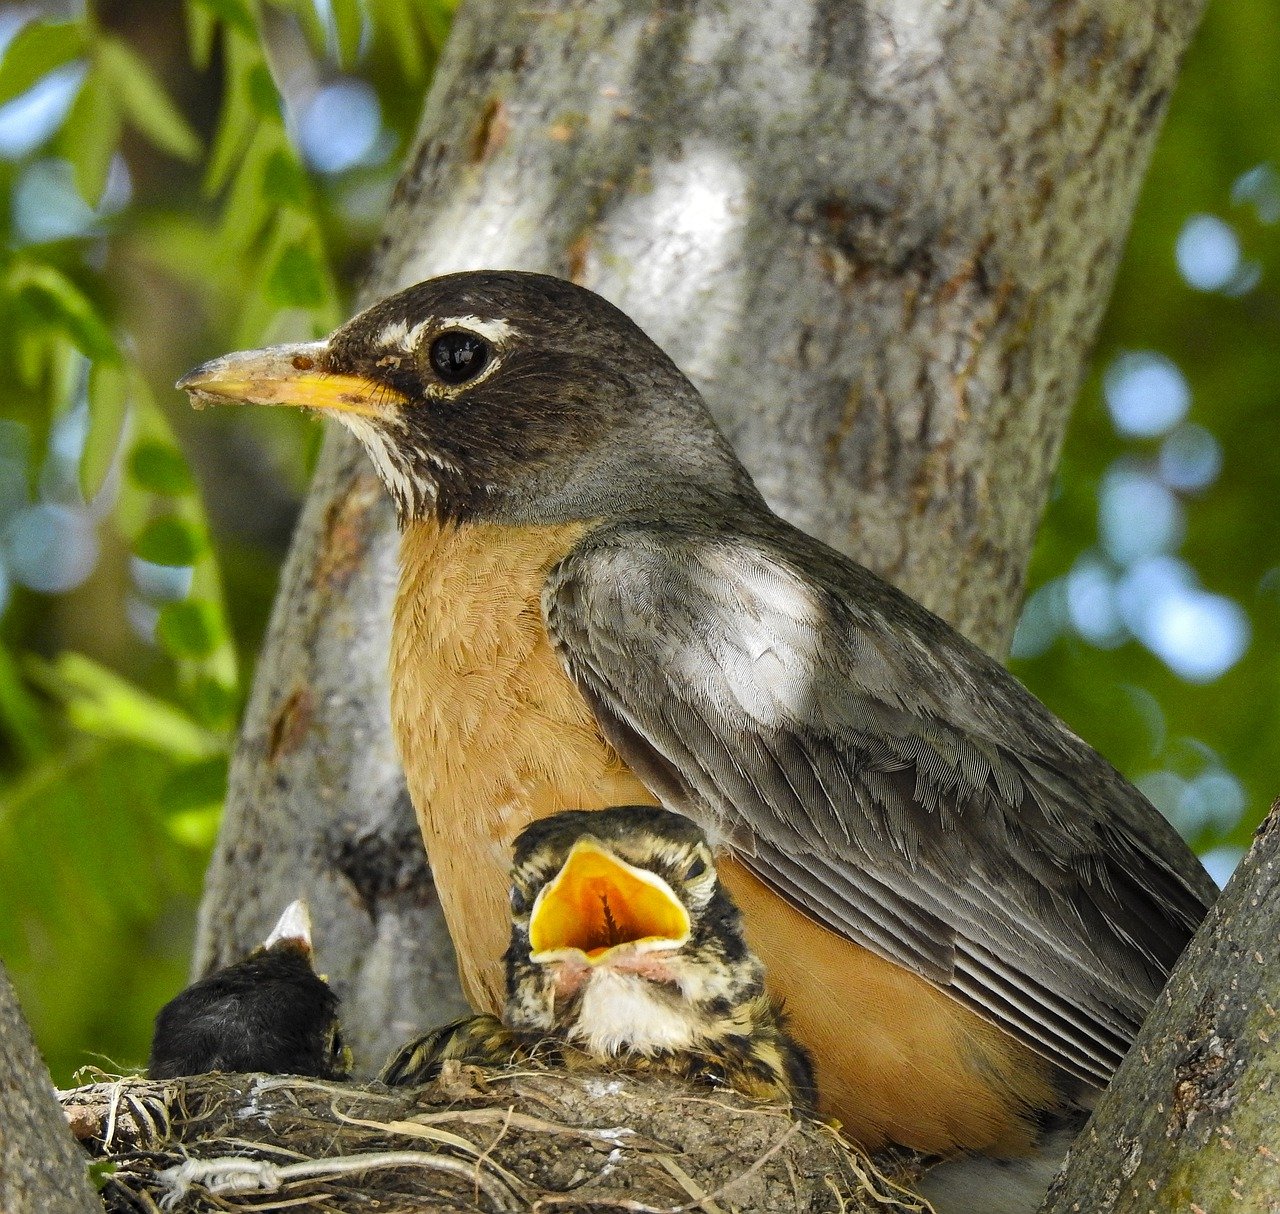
{"x":190,"y":382}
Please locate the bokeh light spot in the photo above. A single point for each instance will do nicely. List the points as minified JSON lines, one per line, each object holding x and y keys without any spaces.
{"x":1221,"y":862}
{"x":1214,"y":800}
{"x":1190,"y":458}
{"x":1146,"y":585}
{"x":1146,"y":393}
{"x":27,"y":121}
{"x":165,"y":583}
{"x":1164,"y":790}
{"x":1208,"y":252}
{"x":1091,"y":603}
{"x":339,"y":127}
{"x":52,"y":548}
{"x":1137,"y":515}
{"x":1261,"y":187}
{"x":47,"y":205}
{"x":1044,"y":616}
{"x":143,"y":618}
{"x":1198,"y":635}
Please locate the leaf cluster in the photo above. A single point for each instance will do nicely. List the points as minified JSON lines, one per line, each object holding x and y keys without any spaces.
{"x":168,"y":215}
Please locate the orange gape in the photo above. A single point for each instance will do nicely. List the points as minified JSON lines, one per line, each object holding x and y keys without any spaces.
{"x":494,"y":734}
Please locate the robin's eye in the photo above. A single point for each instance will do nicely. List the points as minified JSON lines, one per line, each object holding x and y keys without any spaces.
{"x":696,"y":869}
{"x":458,"y":356}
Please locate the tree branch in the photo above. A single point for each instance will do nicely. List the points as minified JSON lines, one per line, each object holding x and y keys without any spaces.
{"x":40,"y":1168}
{"x":1190,"y":1120}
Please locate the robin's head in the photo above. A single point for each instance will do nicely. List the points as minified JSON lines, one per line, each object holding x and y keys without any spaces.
{"x":622,"y":936}
{"x":499,"y":396}
{"x":270,"y":1012}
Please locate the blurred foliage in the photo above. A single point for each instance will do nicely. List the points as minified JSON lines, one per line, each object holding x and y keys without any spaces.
{"x":1208,"y":750}
{"x":159,"y":206}
{"x":178,"y":180}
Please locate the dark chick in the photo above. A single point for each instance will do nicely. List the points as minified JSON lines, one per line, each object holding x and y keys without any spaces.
{"x":967,"y":909}
{"x":270,"y":1012}
{"x":626,"y":951}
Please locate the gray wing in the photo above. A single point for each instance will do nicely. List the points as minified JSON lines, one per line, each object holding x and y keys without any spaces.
{"x":883,"y":774}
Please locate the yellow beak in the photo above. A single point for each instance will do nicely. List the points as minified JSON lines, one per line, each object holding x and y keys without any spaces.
{"x":287,"y":375}
{"x":597,"y":903}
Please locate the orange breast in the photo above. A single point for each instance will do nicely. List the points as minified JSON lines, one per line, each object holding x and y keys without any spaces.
{"x":493,"y":734}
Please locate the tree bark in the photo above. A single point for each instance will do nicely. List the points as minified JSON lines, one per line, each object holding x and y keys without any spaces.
{"x":1191,"y":1120}
{"x":42,"y":1171}
{"x":878,"y":236}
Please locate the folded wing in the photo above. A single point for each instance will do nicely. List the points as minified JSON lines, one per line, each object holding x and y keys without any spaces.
{"x":883,"y":775}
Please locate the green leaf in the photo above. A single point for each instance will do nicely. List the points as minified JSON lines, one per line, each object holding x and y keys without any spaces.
{"x":246,"y":210}
{"x":169,"y":540}
{"x":101,"y":703}
{"x":214,"y":703}
{"x":159,"y":468}
{"x":108,"y":409}
{"x":238,"y":123}
{"x":397,"y":20}
{"x":195,"y":828}
{"x":189,"y":629}
{"x":348,"y":25}
{"x":263,"y":94}
{"x":59,"y":300}
{"x":20,"y":716}
{"x":36,"y":50}
{"x":90,"y":136}
{"x":30,"y":355}
{"x":145,"y":102}
{"x":234,"y":13}
{"x":196,"y":786}
{"x":297,"y":279}
{"x":202,"y":28}
{"x":438,"y":16}
{"x":283,"y":180}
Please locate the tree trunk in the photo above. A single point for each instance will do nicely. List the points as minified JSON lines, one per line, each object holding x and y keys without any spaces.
{"x":42,"y":1171}
{"x":1192,"y":1119}
{"x":878,"y":236}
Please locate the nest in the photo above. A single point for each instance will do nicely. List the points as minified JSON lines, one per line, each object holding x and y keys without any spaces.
{"x":519,"y":1140}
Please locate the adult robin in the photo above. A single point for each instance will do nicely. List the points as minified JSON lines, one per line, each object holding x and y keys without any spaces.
{"x":269,"y":1012}
{"x":967,"y":910}
{"x":627,"y":952}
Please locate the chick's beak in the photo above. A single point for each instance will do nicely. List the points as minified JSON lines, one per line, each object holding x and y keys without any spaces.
{"x":287,"y":375}
{"x":598,"y":903}
{"x":292,"y":928}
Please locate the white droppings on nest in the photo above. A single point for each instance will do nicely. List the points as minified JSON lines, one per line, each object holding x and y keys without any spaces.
{"x":603,"y":1087}
{"x":614,"y":1133}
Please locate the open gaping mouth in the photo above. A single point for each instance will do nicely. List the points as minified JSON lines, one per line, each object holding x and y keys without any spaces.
{"x":598,"y":903}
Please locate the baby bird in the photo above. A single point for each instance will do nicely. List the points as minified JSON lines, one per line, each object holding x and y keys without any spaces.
{"x":626,"y":951}
{"x":270,"y":1012}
